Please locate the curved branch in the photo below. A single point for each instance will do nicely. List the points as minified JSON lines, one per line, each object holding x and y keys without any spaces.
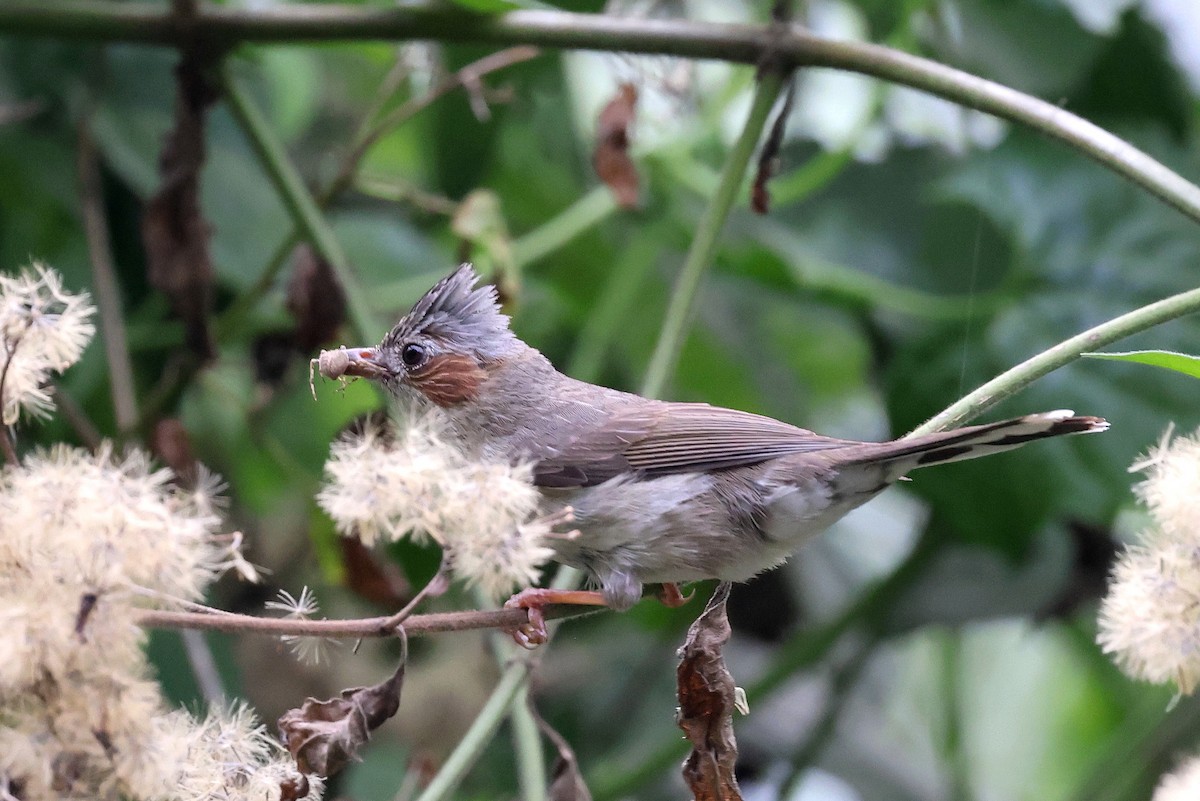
{"x":223,"y":26}
{"x":1017,"y":378}
{"x":416,"y":625}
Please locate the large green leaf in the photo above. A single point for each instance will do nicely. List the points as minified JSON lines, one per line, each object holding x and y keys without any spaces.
{"x":1167,"y":359}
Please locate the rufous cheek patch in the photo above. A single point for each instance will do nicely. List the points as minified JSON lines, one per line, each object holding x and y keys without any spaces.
{"x":449,"y":379}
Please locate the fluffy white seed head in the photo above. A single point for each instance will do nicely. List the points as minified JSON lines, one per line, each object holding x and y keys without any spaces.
{"x":227,"y":754}
{"x":309,"y":650}
{"x":83,"y":537}
{"x":1182,"y":784}
{"x":418,"y":484}
{"x":1150,"y":619}
{"x":43,"y":330}
{"x":1171,"y":489}
{"x":106,"y":522}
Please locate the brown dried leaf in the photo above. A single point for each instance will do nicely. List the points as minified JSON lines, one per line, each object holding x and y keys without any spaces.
{"x":566,"y":780}
{"x":294,"y":788}
{"x":273,"y":352}
{"x":315,"y":298}
{"x":170,"y":442}
{"x":768,"y":159}
{"x":706,"y":704}
{"x":611,"y":157}
{"x":377,"y":581}
{"x":325,"y":736}
{"x":174,"y":231}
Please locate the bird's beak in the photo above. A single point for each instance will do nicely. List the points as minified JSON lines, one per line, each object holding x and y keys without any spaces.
{"x":358,"y":362}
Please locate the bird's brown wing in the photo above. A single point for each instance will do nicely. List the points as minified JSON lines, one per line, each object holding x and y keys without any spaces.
{"x":660,"y":439}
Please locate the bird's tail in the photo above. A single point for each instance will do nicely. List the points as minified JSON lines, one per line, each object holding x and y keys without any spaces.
{"x":901,"y":456}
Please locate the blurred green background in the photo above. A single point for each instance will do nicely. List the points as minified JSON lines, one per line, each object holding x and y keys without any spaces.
{"x":913,"y":250}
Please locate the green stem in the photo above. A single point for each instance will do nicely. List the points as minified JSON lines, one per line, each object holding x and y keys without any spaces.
{"x":610,"y":311}
{"x":954,"y":752}
{"x":482,"y":729}
{"x":1017,"y":378}
{"x":507,"y":692}
{"x":526,"y":735}
{"x":816,"y":174}
{"x":301,"y":204}
{"x":572,"y":221}
{"x":704,"y":245}
{"x":221,"y":25}
{"x":531,"y":769}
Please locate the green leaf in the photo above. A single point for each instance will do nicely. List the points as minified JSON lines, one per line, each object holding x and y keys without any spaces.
{"x":490,"y":6}
{"x":1171,"y":360}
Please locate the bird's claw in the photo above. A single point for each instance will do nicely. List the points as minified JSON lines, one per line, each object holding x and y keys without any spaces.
{"x":532,"y":633}
{"x":671,"y":596}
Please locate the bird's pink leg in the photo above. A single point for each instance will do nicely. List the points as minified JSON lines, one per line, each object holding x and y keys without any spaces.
{"x":671,"y":596}
{"x":534,"y":600}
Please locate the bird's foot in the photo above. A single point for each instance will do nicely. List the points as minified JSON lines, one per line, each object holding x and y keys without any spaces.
{"x":534,"y":600}
{"x":671,"y":596}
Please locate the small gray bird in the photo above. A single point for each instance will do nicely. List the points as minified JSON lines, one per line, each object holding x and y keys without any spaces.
{"x":661,"y":492}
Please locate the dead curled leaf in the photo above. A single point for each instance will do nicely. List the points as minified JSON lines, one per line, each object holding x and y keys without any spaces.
{"x":707,"y":699}
{"x":293,"y":788}
{"x":315,"y":298}
{"x":324,"y":736}
{"x":611,"y":156}
{"x":566,"y":780}
{"x":768,"y":158}
{"x":169,"y":441}
{"x":174,"y":231}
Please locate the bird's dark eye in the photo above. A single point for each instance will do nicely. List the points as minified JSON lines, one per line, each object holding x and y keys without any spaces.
{"x":413,"y":355}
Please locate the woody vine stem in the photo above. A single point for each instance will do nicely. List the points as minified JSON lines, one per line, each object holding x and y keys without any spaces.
{"x":222,"y":27}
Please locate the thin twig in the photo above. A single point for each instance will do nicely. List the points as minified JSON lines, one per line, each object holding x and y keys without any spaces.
{"x":348,"y":169}
{"x":10,"y":451}
{"x":466,"y":77}
{"x":203,"y":665}
{"x":416,"y":625}
{"x":435,"y":586}
{"x":1017,"y":378}
{"x":104,"y":282}
{"x":77,"y":417}
{"x":703,"y":249}
{"x":299,"y":201}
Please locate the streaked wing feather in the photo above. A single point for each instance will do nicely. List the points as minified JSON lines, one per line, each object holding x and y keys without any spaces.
{"x":659,"y":439}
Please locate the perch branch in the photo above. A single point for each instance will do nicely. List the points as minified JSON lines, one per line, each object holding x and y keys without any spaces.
{"x":414,"y":626}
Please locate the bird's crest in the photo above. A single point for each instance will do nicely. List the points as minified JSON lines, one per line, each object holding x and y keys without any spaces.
{"x":460,"y":314}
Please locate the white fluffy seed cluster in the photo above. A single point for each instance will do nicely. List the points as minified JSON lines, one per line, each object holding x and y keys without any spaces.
{"x":1182,"y":784}
{"x":84,"y":539}
{"x":416,"y":483}
{"x":1150,"y":619}
{"x":43,"y":330}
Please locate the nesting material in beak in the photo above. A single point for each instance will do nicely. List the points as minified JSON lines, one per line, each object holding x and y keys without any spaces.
{"x":347,"y":362}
